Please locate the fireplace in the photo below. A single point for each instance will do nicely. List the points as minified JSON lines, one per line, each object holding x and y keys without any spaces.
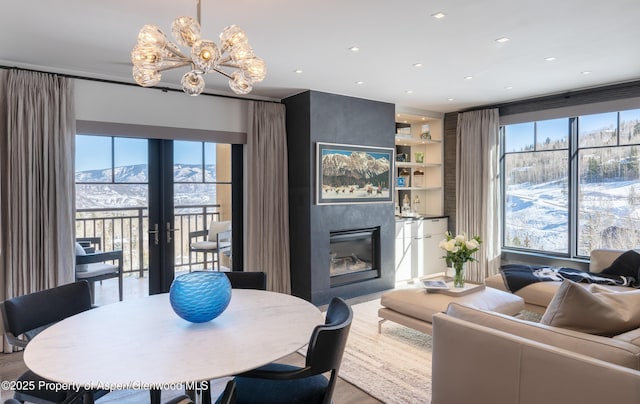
{"x":354,"y":255}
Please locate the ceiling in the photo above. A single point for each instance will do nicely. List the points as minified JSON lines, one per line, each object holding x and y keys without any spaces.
{"x":94,"y":38}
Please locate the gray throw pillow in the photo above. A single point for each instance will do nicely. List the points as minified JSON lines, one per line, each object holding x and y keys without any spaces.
{"x":80,"y":251}
{"x":608,"y":314}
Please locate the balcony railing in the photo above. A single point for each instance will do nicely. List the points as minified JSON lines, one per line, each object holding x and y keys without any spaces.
{"x":127,"y":229}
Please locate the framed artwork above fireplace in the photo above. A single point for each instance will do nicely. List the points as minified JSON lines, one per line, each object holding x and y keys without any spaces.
{"x":353,"y":174}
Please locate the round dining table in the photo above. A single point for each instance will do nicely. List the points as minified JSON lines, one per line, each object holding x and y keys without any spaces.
{"x":142,"y":344}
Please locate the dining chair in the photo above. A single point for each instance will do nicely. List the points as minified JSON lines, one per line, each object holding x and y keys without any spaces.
{"x":25,"y":316}
{"x":238,"y":280}
{"x":217,"y":241}
{"x":281,"y":383}
{"x":247,"y":280}
{"x":93,"y":265}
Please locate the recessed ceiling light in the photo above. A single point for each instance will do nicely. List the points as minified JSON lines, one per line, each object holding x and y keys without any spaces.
{"x":404,"y":121}
{"x":550,"y":58}
{"x":409,"y":91}
{"x":298,"y":71}
{"x":508,"y":88}
{"x":439,"y":15}
{"x":354,"y":49}
{"x":586,"y":72}
{"x":423,"y":118}
{"x":417,"y":65}
{"x":359,"y":82}
{"x":503,"y":39}
{"x":398,"y":115}
{"x":449,"y":99}
{"x":468,"y":77}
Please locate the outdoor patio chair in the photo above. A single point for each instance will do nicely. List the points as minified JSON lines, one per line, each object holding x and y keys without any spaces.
{"x":217,"y":240}
{"x":93,"y":265}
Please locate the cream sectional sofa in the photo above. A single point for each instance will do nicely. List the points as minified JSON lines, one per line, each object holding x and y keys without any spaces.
{"x":538,"y":295}
{"x":499,"y":359}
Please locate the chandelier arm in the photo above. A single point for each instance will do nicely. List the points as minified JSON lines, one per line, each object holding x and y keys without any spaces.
{"x":227,"y":75}
{"x":232,"y":65}
{"x":174,"y":66}
{"x":199,"y":13}
{"x":176,"y":52}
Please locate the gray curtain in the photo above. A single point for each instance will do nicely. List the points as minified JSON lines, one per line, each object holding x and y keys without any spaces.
{"x":37,"y":142}
{"x":478,"y":188}
{"x":268,"y":197}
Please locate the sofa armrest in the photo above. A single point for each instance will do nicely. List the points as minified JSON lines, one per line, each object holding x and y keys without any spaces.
{"x":500,"y":368}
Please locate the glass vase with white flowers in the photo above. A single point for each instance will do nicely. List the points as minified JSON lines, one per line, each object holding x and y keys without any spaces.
{"x":459,"y":251}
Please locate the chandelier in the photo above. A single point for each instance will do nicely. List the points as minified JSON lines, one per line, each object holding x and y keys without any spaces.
{"x":234,"y":58}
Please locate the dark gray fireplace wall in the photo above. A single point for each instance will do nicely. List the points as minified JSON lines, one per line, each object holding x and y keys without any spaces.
{"x":313,"y":117}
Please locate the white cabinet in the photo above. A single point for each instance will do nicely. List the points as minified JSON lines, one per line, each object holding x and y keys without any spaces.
{"x":431,"y":255}
{"x":417,"y":251}
{"x":406,"y":252}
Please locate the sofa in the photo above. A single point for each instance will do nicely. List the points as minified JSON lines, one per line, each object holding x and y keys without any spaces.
{"x":538,"y":295}
{"x":487,"y":357}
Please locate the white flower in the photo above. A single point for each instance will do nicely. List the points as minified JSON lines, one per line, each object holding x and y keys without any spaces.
{"x":460,"y":238}
{"x":442,"y":244}
{"x":472,"y":244}
{"x":450,"y":245}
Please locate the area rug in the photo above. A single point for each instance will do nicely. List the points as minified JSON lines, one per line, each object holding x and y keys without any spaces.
{"x":394,"y":366}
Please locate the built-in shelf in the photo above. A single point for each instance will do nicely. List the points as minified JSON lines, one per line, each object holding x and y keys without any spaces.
{"x":422,"y":166}
{"x":417,"y":165}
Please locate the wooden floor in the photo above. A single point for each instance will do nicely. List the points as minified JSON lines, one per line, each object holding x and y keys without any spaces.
{"x":12,"y":365}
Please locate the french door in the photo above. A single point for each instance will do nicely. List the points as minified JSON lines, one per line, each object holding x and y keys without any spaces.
{"x":191,"y":183}
{"x":145,"y":196}
{"x":161,"y":216}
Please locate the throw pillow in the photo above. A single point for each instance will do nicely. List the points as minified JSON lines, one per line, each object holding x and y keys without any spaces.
{"x":80,"y":251}
{"x":627,"y":264}
{"x":608,"y":314}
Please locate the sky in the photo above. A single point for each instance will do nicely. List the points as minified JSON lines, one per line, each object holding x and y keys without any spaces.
{"x":520,"y":135}
{"x":95,"y":152}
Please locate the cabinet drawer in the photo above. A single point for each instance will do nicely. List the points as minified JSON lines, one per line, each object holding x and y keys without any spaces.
{"x":435,"y":226}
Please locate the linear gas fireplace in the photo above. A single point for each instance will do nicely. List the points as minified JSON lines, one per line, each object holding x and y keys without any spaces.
{"x":354,"y":255}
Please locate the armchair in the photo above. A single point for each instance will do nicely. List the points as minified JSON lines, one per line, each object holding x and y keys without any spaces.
{"x":217,"y":240}
{"x":93,"y":265}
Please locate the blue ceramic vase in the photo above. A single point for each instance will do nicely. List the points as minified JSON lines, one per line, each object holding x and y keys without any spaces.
{"x":200,"y":296}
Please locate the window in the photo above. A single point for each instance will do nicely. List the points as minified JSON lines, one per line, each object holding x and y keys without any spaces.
{"x":541,"y":160}
{"x":111,"y":170}
{"x":536,"y":208}
{"x":202,"y":174}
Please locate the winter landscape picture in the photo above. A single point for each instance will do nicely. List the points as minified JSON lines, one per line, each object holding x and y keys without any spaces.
{"x":349,"y":174}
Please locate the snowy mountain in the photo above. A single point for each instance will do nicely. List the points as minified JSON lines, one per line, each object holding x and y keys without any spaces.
{"x":94,"y":188}
{"x":358,"y":169}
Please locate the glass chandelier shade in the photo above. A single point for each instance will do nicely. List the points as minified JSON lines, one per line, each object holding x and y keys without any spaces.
{"x":234,"y":58}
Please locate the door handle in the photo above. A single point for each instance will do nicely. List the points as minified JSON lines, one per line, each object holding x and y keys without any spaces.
{"x":169,"y":231}
{"x":156,"y":233}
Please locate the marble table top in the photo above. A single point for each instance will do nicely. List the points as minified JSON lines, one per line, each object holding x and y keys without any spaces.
{"x":142,"y":342}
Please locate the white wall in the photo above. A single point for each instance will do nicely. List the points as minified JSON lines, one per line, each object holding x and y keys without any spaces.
{"x":125,"y":104}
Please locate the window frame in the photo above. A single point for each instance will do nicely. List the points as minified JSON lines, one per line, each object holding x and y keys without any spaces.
{"x":573,"y":178}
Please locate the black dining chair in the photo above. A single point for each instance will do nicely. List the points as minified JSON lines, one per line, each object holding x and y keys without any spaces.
{"x":27,"y":315}
{"x":281,"y":383}
{"x":238,"y":280}
{"x":247,"y":280}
